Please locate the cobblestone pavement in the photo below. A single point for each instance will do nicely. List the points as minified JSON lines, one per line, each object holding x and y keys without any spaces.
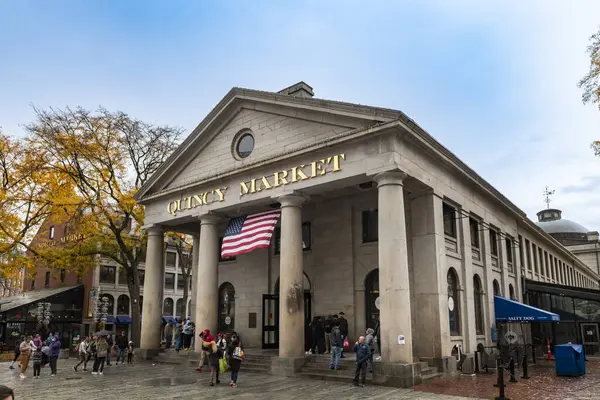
{"x":543,"y":384}
{"x":147,"y":381}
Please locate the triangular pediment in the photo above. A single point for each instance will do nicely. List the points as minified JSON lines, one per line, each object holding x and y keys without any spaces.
{"x":279,"y":125}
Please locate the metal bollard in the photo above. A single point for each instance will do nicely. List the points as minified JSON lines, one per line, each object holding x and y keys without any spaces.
{"x":501,"y":394}
{"x":498,"y":366}
{"x":533,"y":353}
{"x":513,"y":378}
{"x":525,"y":367}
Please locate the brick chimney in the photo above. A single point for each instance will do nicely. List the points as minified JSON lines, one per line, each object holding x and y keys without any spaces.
{"x":300,"y":89}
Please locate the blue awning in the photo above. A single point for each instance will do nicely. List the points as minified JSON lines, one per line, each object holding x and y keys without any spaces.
{"x":167,"y":319}
{"x":513,"y":311}
{"x":110,"y":319}
{"x":124,"y":319}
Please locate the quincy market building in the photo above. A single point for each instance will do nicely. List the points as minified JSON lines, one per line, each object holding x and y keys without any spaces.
{"x":378,"y":220}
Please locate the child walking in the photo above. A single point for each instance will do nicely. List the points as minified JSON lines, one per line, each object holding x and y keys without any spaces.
{"x":37,"y":361}
{"x":235,"y":355}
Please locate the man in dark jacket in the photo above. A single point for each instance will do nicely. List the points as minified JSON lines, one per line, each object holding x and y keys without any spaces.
{"x":343,"y":328}
{"x":336,"y":345}
{"x":121,"y":343}
{"x":327,"y":326}
{"x":363,"y":353}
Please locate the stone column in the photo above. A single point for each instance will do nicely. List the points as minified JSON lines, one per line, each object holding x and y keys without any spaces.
{"x":207,"y":278}
{"x":291,"y":279}
{"x":195,"y":256}
{"x":488,"y":286}
{"x":394,"y":293}
{"x":519,"y":272}
{"x":153,"y":289}
{"x":429,"y":266}
{"x":468,"y":296}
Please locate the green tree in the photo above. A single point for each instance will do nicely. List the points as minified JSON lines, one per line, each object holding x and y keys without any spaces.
{"x":590,"y":83}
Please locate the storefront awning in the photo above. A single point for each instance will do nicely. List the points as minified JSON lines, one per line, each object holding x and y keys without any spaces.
{"x":124,"y":319}
{"x":513,"y":311}
{"x":167,"y":319}
{"x":110,"y":319}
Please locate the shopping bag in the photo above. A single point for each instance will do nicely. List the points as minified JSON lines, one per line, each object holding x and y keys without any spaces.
{"x":346,"y":343}
{"x":223,"y":367}
{"x":238,"y":353}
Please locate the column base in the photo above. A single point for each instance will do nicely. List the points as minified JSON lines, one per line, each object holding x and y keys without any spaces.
{"x":146,"y":354}
{"x":287,"y":366}
{"x":446,"y":365}
{"x":397,"y":374}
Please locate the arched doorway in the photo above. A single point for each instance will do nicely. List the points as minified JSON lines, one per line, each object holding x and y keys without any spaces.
{"x":372,"y":298}
{"x":270,"y":315}
{"x":226,"y":313}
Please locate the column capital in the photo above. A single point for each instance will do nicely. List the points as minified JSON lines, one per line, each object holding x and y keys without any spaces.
{"x":292,"y":200}
{"x":208,"y":219}
{"x":154,"y":230}
{"x":395,"y":177}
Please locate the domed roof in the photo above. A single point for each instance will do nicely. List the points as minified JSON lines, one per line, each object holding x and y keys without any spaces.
{"x":551,"y":222}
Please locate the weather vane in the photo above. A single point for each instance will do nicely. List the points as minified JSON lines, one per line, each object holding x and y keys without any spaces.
{"x":547,"y":194}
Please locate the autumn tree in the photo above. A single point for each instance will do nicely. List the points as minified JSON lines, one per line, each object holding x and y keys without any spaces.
{"x":183,"y":246}
{"x":590,"y":83}
{"x":106,"y":156}
{"x":29,"y":195}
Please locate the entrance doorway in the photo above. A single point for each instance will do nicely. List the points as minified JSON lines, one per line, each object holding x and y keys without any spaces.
{"x":590,"y":338}
{"x":372,"y":298}
{"x":270,"y":315}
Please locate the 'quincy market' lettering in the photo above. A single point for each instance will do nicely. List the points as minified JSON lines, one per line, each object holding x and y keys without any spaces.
{"x":280,"y":178}
{"x":292,"y":175}
{"x":197,"y":200}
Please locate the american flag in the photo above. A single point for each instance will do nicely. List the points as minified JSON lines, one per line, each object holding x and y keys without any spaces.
{"x":245,"y":234}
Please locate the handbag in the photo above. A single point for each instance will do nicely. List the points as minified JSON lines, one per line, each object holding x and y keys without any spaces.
{"x":238,"y":353}
{"x":346,"y":343}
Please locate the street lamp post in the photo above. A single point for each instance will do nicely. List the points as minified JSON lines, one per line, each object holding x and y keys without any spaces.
{"x":101,"y":310}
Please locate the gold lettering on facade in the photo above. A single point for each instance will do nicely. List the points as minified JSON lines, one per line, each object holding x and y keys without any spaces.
{"x":254,"y":185}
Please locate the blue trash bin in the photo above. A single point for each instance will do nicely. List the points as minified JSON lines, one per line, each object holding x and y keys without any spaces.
{"x":570,"y":360}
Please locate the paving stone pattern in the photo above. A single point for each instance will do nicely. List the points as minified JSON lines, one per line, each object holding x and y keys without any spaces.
{"x":147,"y":381}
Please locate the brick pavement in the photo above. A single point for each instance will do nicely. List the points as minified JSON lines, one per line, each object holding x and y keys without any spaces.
{"x":150,"y":381}
{"x":543,"y":384}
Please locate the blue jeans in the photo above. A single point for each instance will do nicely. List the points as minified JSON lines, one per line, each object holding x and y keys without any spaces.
{"x":336,"y":353}
{"x":121,"y":355}
{"x":234,"y":376}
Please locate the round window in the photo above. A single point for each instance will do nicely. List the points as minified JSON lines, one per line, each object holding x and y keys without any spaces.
{"x":245,"y":145}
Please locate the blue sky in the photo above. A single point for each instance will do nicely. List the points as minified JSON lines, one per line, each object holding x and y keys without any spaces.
{"x":495,"y":83}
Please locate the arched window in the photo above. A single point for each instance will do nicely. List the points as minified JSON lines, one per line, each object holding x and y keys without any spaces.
{"x":111,"y":304}
{"x":168,"y":306}
{"x":478,"y":299}
{"x":226,"y":307}
{"x":511,"y":292}
{"x":453,"y":303}
{"x":123,"y":305}
{"x":180,"y":309}
{"x":371,"y":298}
{"x":496,"y":286}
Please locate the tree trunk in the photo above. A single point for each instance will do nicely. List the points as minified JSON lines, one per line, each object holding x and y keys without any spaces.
{"x":186,"y":289}
{"x":134,"y":294}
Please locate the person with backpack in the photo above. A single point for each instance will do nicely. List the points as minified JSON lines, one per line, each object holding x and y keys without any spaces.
{"x":206,"y":338}
{"x":36,"y":357}
{"x":101,"y":352}
{"x":235,"y":355}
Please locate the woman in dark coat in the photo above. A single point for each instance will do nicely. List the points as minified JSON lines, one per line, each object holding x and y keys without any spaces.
{"x":234,"y":363}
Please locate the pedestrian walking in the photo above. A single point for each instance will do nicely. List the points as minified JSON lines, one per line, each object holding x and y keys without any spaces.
{"x":188,"y":332}
{"x":327,"y":327}
{"x":24,"y":349}
{"x":206,"y":338}
{"x":36,"y":358}
{"x":235,"y":355}
{"x":84,"y":355}
{"x":110,"y":342}
{"x":17,"y":353}
{"x":121,"y":347}
{"x":101,"y":351}
{"x":370,"y":341}
{"x":363,"y":352}
{"x":214,"y":356}
{"x":54,"y":353}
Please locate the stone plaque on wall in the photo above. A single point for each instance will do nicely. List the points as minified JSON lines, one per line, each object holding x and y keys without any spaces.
{"x":252,"y":320}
